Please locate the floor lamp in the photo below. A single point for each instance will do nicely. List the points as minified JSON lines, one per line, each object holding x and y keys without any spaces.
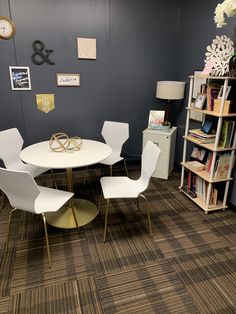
{"x":170,"y":90}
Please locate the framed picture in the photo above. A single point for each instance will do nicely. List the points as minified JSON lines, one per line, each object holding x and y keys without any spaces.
{"x":198,"y":153}
{"x":67,"y":79}
{"x":156,"y":117}
{"x":87,"y":48}
{"x":20,"y":78}
{"x":221,"y":92}
{"x":199,"y":101}
{"x":197,"y":83}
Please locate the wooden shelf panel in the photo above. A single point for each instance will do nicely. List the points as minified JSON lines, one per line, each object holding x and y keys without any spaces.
{"x":213,"y":77}
{"x":207,"y":146}
{"x":200,"y":202}
{"x":205,"y":175}
{"x":212,"y":113}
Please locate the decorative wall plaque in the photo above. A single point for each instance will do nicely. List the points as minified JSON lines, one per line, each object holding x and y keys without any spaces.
{"x":86,"y":48}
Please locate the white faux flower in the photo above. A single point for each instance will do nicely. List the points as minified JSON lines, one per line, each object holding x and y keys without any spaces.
{"x":228,"y":8}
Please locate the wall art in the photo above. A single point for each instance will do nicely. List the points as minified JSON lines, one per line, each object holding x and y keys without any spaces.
{"x":20,"y":78}
{"x":68,"y":79}
{"x":219,"y":52}
{"x":87,"y":48}
{"x":45,"y":102}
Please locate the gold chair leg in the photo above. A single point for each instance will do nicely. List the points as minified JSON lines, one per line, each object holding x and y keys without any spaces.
{"x":3,"y":199}
{"x":106,"y":219}
{"x":100,"y":203}
{"x":148,"y":214}
{"x":71,"y":202}
{"x":126,"y":169}
{"x":85,"y":176}
{"x":47,"y":242}
{"x":9,"y":228}
{"x":54,"y":183}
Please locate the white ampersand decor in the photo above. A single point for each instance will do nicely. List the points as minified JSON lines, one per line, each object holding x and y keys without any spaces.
{"x":220,"y":51}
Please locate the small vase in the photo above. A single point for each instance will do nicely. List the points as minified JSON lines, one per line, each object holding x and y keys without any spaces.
{"x":232,"y":66}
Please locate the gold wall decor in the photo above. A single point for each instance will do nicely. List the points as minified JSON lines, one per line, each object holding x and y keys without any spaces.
{"x":60,"y":142}
{"x":45,"y":102}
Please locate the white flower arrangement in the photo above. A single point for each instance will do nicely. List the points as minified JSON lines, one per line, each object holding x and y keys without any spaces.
{"x":228,"y":7}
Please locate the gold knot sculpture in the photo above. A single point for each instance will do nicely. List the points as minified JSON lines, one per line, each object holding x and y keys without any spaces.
{"x":60,"y":142}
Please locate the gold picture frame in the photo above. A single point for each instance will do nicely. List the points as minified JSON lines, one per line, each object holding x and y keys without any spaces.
{"x":68,"y":79}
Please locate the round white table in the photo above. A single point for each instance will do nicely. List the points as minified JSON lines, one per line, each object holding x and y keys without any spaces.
{"x":90,"y":153}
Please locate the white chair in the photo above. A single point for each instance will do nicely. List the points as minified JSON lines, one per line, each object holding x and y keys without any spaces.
{"x":124,"y":187}
{"x":24,"y":194}
{"x":115,"y":135}
{"x":11,"y":143}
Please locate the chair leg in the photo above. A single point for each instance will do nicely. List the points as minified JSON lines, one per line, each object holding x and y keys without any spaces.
{"x":111,"y":171}
{"x":9,"y":228}
{"x":53,"y":179}
{"x":3,"y":199}
{"x":47,"y":242}
{"x":71,"y":202}
{"x":100,"y":203}
{"x":86,"y":173}
{"x":106,"y":219}
{"x":148,"y":214}
{"x":126,"y":169}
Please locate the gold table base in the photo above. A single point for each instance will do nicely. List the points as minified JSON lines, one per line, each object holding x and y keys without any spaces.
{"x":85,"y":212}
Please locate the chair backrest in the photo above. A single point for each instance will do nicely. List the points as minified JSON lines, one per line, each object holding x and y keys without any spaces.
{"x":150,"y":156}
{"x":115,"y":134}
{"x":11,"y":144}
{"x":20,"y":188}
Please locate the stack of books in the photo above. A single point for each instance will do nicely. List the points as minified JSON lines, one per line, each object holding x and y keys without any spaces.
{"x":202,"y":136}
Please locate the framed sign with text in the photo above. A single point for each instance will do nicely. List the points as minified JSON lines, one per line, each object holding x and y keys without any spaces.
{"x":20,"y":78}
{"x":67,"y":79}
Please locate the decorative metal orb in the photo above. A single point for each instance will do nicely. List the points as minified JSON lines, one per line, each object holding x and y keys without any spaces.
{"x":75,"y":143}
{"x":59,"y":142}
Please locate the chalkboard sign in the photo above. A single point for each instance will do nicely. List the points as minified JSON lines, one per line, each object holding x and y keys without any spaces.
{"x":20,"y":78}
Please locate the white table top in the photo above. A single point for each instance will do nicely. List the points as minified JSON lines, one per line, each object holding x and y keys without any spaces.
{"x":41,"y":155}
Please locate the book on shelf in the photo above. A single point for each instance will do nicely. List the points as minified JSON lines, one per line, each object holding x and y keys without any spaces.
{"x":227,"y":132}
{"x":202,"y":136}
{"x":209,"y":161}
{"x":212,"y":93}
{"x":224,"y":133}
{"x":222,"y":166}
{"x":195,"y":165}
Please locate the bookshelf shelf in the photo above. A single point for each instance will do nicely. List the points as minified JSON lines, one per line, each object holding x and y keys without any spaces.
{"x":212,"y":113}
{"x":205,"y":175}
{"x":205,"y":183}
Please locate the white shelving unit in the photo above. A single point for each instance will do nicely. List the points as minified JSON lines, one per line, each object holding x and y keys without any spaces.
{"x":214,"y":148}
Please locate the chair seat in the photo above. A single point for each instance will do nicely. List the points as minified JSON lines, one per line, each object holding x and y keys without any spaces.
{"x":111,"y":160}
{"x":120,"y":187}
{"x":50,"y":200}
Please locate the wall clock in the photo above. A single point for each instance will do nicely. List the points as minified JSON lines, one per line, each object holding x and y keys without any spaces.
{"x":7,"y":28}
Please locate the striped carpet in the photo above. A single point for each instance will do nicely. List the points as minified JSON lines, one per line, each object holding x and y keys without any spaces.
{"x":187,"y":267}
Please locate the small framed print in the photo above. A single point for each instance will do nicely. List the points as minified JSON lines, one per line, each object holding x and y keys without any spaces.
{"x":198,"y":153}
{"x":221,"y":92}
{"x":68,"y":79}
{"x":87,"y":48}
{"x":199,"y":101}
{"x":20,"y":78}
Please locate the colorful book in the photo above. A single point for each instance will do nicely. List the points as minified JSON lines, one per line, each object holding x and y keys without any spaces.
{"x":222,"y":167}
{"x":224,"y":133}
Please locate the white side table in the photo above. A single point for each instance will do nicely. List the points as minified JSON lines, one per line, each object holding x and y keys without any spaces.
{"x":166,"y":142}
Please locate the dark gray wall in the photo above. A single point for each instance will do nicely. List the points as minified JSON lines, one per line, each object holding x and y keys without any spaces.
{"x":134,"y":40}
{"x":138,"y":43}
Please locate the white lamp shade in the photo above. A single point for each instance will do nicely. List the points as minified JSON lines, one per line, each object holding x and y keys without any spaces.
{"x":170,"y":90}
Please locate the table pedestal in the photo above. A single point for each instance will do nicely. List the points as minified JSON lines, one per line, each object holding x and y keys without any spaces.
{"x":85,"y":212}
